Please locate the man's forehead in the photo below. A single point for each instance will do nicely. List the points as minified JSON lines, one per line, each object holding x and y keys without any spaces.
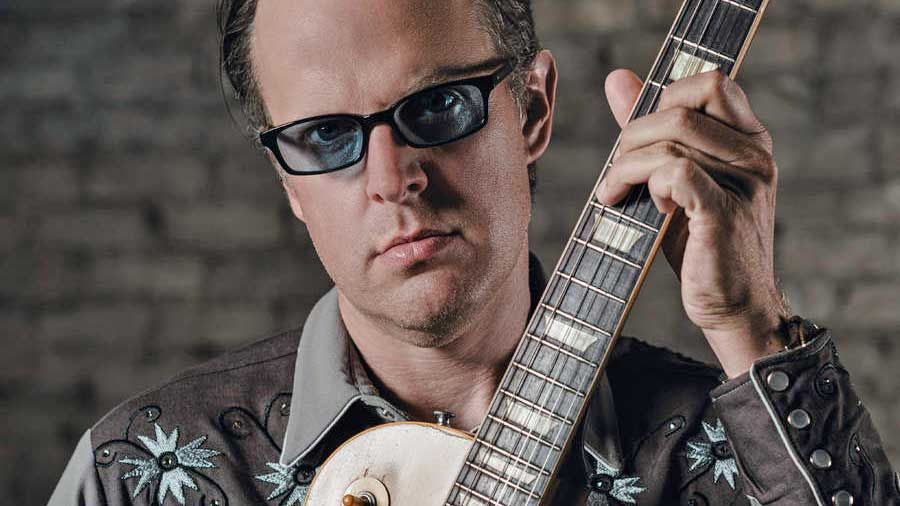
{"x":360,"y":54}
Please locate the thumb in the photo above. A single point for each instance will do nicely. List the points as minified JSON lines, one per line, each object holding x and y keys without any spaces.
{"x":622,"y":90}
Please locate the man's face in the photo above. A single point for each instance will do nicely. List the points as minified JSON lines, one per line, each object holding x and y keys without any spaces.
{"x":316,"y":57}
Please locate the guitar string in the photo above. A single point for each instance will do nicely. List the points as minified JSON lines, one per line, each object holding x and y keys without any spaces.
{"x":649,"y":209}
{"x":618,"y":227}
{"x":587,"y":213}
{"x":624,"y":209}
{"x":653,"y":105}
{"x":563,"y":298}
{"x":540,"y":340}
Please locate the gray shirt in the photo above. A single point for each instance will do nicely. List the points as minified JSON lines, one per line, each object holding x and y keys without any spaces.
{"x":252,"y":426}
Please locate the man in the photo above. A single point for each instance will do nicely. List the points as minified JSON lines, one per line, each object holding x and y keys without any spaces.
{"x":420,"y":217}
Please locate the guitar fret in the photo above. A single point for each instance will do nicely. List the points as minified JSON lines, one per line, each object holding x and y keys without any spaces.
{"x":577,"y":320}
{"x":514,"y":459}
{"x":639,"y":200}
{"x":479,"y":496}
{"x":702,"y":48}
{"x":482,"y":469}
{"x":534,"y":406}
{"x":525,"y":433}
{"x":599,"y":270}
{"x":562,"y":350}
{"x":548,"y":379}
{"x":618,"y":214}
{"x":740,"y":6}
{"x":591,"y":287}
{"x":606,"y":252}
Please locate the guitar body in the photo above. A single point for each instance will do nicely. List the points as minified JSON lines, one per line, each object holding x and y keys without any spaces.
{"x":416,"y":463}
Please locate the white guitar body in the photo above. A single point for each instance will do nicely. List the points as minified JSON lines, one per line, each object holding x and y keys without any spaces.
{"x":399,"y":464}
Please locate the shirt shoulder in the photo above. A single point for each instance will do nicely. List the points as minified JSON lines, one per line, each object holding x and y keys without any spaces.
{"x":215,"y":426}
{"x":238,"y":374}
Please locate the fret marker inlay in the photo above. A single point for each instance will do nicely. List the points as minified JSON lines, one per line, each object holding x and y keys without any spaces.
{"x":616,"y":234}
{"x":567,"y":334}
{"x":467,"y":498}
{"x":687,"y":65}
{"x":504,"y":467}
{"x":525,"y":417}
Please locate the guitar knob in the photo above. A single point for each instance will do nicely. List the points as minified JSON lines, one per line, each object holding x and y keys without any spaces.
{"x":366,"y":491}
{"x":443,"y":417}
{"x":366,"y":499}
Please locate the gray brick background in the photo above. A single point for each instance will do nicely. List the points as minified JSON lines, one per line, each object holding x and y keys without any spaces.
{"x":140,"y":234}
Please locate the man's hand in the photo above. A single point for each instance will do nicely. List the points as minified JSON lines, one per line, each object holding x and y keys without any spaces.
{"x":706,"y":157}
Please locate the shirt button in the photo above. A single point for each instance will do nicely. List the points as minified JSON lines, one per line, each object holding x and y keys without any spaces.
{"x":601,"y":483}
{"x":799,"y":419}
{"x":842,"y":498}
{"x":304,"y":474}
{"x":821,"y":459}
{"x":778,"y":381}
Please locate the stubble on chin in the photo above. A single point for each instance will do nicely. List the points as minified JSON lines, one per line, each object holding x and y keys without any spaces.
{"x":430,"y":312}
{"x":432,"y":323}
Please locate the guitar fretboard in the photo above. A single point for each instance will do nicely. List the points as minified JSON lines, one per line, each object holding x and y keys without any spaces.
{"x":543,"y":394}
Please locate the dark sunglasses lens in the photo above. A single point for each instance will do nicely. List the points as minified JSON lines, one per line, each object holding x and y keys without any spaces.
{"x":322,"y":144}
{"x":441,"y":114}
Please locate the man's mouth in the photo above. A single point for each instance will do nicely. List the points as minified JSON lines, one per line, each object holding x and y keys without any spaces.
{"x":408,"y":249}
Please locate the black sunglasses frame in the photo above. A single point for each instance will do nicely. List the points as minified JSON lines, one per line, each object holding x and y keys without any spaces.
{"x":486,"y":84}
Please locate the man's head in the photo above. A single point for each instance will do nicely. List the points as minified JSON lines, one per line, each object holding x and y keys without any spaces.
{"x":298,"y":59}
{"x":508,"y":23}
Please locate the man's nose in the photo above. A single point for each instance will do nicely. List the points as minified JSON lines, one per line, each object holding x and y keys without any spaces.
{"x":392,"y":169}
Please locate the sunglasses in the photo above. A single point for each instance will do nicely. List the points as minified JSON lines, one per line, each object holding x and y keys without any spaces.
{"x":434,"y":116}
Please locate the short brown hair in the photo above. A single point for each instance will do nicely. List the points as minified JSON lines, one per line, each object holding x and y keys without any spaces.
{"x":508,"y":22}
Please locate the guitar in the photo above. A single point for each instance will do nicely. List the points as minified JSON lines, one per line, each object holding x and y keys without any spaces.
{"x":516,"y":455}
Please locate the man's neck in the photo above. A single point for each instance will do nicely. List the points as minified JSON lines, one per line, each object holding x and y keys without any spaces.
{"x":461,"y":376}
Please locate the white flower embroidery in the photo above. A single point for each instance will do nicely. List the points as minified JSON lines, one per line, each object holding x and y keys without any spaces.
{"x":283,"y":477}
{"x":702,"y":453}
{"x":169,"y":463}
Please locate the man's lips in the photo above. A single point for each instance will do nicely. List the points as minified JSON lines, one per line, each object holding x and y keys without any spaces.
{"x":407,"y":250}
{"x":410,"y":238}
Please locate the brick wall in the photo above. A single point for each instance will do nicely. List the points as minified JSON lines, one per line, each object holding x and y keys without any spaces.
{"x":140,"y":234}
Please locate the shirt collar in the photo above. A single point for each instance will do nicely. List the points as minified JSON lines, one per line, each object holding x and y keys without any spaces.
{"x":329,"y":378}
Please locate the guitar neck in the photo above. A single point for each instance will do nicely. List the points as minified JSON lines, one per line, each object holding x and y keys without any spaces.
{"x":544,"y":392}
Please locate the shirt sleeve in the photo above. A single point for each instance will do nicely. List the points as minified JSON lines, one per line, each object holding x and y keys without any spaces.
{"x":79,"y":484}
{"x":801,"y":435}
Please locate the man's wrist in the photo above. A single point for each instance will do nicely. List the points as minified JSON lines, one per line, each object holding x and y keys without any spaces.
{"x":744,"y":342}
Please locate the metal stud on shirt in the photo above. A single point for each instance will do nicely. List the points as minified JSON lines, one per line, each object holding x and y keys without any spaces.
{"x":778,"y":381}
{"x":842,"y":498}
{"x":821,"y":459}
{"x":799,"y":419}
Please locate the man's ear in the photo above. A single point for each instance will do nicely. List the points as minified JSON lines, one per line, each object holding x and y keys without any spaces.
{"x":540,"y":102}
{"x":288,"y":191}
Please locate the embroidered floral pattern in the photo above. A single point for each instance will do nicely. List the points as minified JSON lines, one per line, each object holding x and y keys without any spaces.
{"x":607,"y":482}
{"x":714,"y":450}
{"x":170,"y":463}
{"x":285,"y":483}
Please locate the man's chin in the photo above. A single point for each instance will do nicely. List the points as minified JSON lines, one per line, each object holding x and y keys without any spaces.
{"x":432,"y":304}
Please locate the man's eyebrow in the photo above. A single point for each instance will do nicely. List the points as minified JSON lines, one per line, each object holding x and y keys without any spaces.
{"x":450,"y":72}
